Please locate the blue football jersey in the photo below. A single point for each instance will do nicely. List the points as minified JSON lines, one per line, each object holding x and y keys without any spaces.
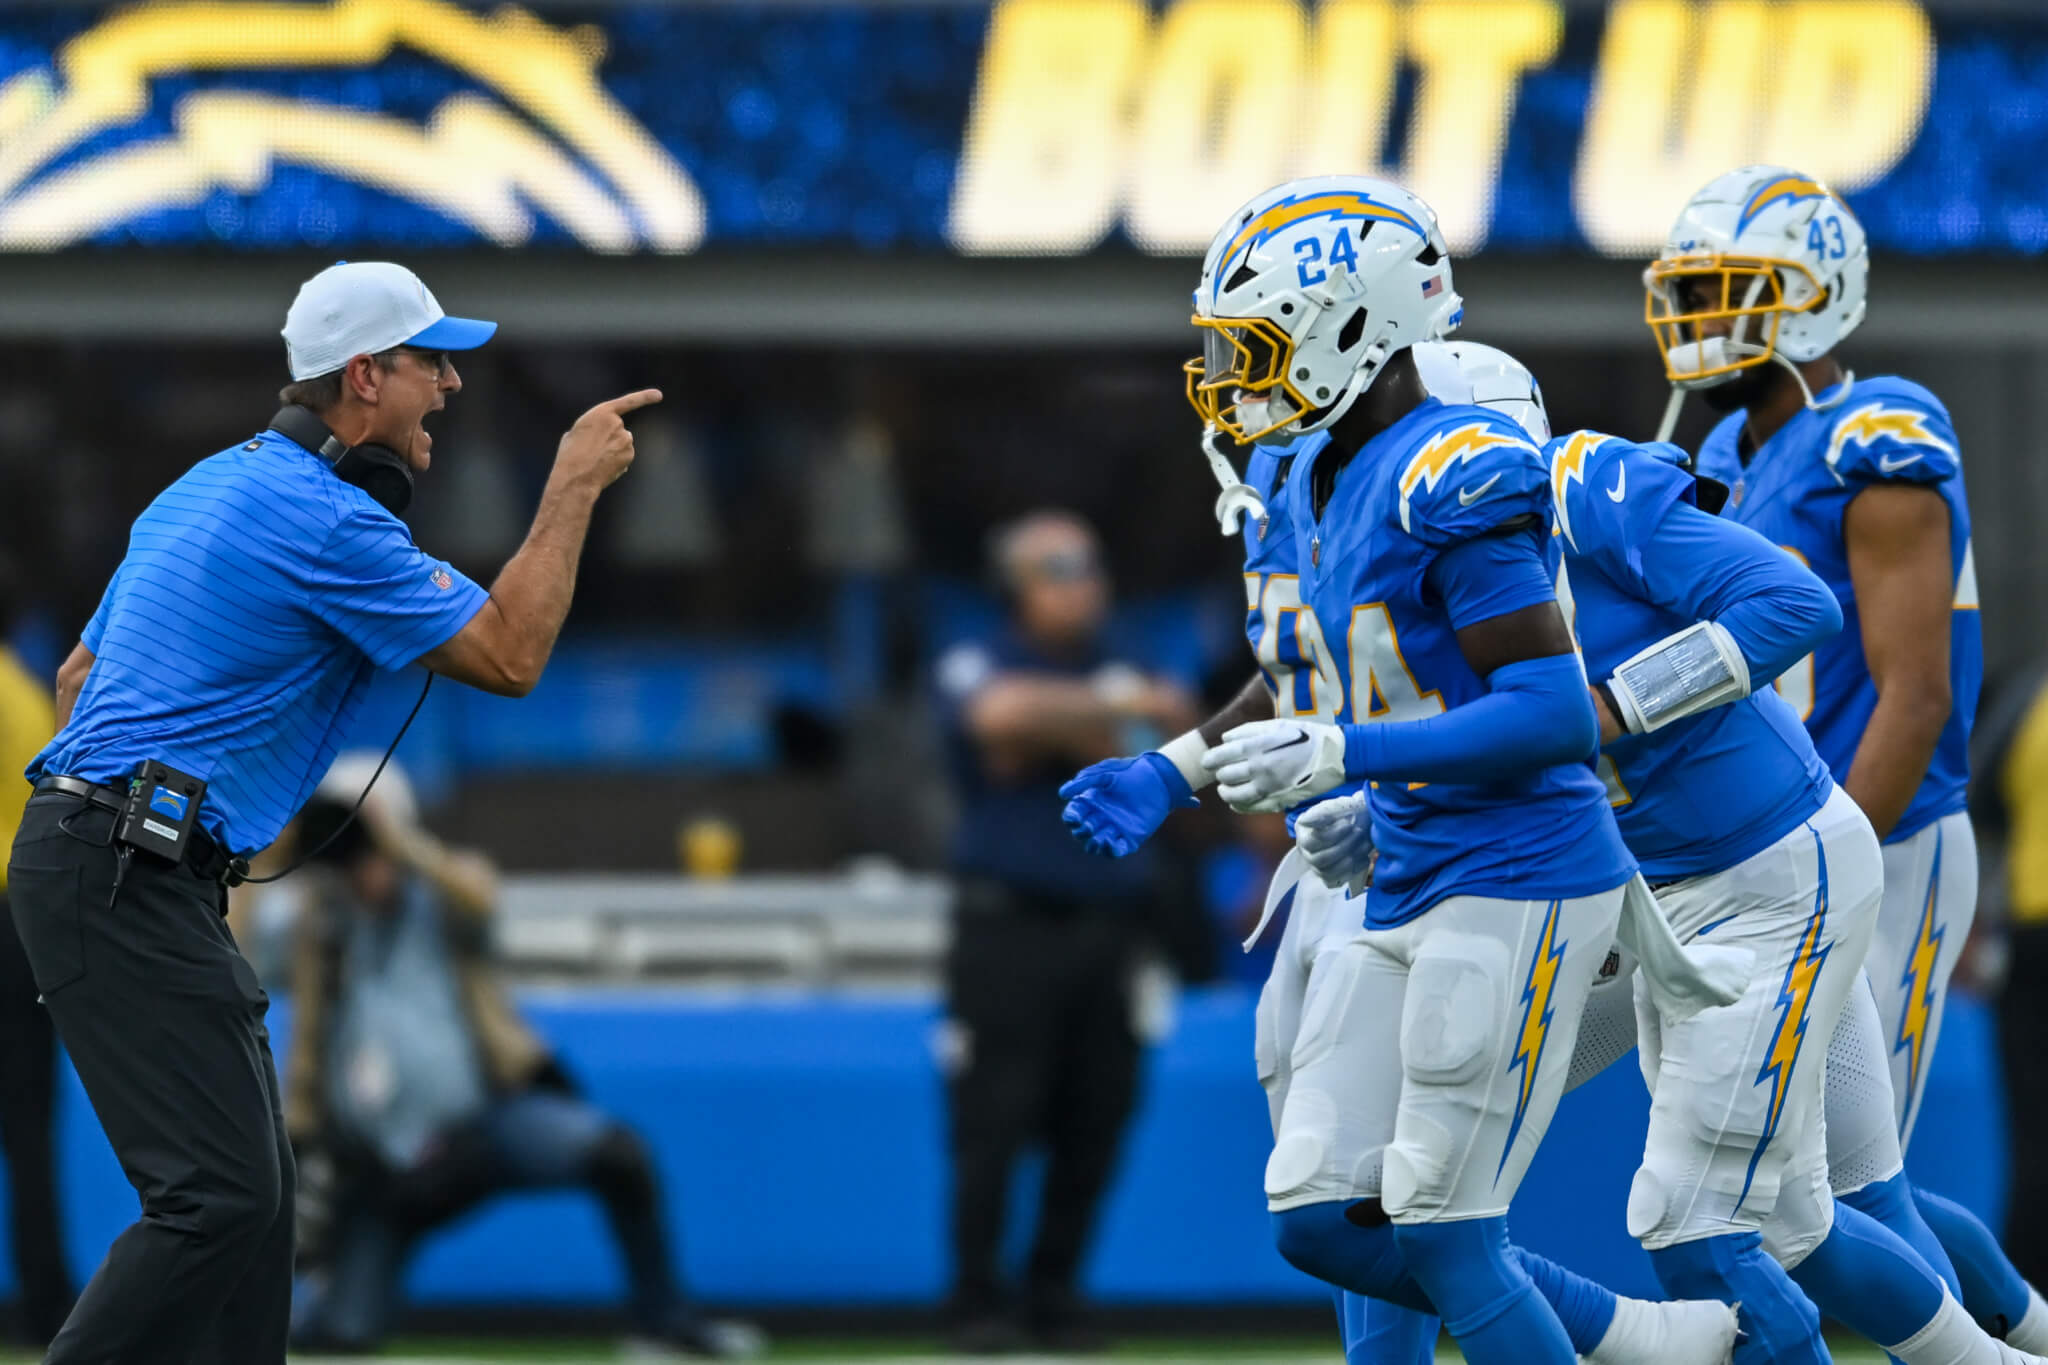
{"x":1293,"y":656}
{"x":1440,"y":476}
{"x":1703,"y":793}
{"x":1795,"y":491}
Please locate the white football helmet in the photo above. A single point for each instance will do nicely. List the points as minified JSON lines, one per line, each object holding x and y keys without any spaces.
{"x":1306,"y":292}
{"x":1773,"y":256}
{"x":1487,"y":377}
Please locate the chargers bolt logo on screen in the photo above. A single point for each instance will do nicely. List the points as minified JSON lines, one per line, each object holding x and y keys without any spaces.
{"x":538,"y":134}
{"x":169,"y":804}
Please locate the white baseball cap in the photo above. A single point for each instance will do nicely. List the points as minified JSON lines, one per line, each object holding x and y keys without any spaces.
{"x":357,"y":308}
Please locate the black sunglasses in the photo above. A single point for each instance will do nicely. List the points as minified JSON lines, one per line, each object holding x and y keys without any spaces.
{"x":437,"y":361}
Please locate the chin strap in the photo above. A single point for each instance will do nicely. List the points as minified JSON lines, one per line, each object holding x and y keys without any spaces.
{"x":1238,"y":498}
{"x":1677,"y":400}
{"x":1671,"y":410}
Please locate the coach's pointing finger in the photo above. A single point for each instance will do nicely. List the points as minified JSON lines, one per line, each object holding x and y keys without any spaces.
{"x":625,"y":403}
{"x":599,"y":446}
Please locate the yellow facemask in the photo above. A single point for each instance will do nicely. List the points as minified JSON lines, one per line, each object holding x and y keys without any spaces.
{"x":1746,"y":292}
{"x":1243,"y":363}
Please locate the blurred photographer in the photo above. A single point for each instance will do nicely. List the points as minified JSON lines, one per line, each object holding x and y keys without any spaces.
{"x":1040,"y":1037}
{"x":416,"y":1091}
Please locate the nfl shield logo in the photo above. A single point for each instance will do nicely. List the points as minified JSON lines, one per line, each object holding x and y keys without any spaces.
{"x":442,"y":581}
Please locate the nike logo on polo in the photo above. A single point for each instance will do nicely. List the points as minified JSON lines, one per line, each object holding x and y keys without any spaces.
{"x":1620,"y":482}
{"x":1892,"y":464}
{"x":1468,"y":496}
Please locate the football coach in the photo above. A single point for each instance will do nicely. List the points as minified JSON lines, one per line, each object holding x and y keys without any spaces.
{"x":206,"y":698}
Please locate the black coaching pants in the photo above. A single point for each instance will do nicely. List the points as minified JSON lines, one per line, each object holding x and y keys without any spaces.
{"x":164,"y":1022}
{"x":1039,"y":1000}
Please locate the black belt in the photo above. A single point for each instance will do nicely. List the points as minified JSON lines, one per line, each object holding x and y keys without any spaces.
{"x":203,"y":855}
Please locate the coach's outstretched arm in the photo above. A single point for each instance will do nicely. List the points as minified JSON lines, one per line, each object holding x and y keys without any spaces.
{"x":506,"y":644}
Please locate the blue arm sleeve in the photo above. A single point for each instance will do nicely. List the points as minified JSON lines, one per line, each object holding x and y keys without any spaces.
{"x":1536,"y":714}
{"x":1713,"y":570}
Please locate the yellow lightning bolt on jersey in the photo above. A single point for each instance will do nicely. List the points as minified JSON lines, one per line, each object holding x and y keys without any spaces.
{"x":1873,"y":422}
{"x":1455,"y":446}
{"x":1569,"y":465}
{"x":1537,"y":996}
{"x":1795,"y":1000}
{"x":1919,"y":980}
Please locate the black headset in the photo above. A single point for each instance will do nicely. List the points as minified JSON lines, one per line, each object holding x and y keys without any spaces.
{"x":378,"y":470}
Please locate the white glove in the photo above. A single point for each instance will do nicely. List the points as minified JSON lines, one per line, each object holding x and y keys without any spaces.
{"x":1274,"y":765}
{"x":1335,"y":838}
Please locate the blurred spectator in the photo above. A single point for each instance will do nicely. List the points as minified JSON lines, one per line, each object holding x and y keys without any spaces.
{"x":416,"y":1092}
{"x":2009,"y":806}
{"x":28,"y":1042}
{"x":1040,"y":1039}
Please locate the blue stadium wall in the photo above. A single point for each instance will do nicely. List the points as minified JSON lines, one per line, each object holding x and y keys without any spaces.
{"x":801,"y":1140}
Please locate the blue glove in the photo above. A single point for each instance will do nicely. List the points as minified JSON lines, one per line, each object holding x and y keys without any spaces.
{"x":1114,"y":806}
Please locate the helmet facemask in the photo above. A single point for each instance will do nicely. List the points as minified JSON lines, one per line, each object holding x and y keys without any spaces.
{"x":1752,"y":293}
{"x":1239,"y":383}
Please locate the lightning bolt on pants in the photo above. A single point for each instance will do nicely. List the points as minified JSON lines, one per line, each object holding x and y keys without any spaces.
{"x":1736,"y":1141}
{"x":1484,"y":996}
{"x":1930,"y":898}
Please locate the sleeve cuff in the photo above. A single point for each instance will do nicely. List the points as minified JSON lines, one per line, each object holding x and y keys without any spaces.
{"x":1359,"y":752}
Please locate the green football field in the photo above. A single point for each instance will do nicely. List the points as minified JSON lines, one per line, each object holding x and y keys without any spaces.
{"x":821,"y":1351}
{"x":1190,"y":1351}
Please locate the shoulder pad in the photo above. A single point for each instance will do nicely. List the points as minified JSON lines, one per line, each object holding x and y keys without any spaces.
{"x":1575,"y":460}
{"x":1612,"y":493}
{"x":1472,"y":472}
{"x":1891,"y":429}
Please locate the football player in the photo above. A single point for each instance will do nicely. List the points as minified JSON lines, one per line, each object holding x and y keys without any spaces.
{"x":1115,"y":806}
{"x":1765,"y":273}
{"x":1499,"y":882}
{"x":1720,"y":794}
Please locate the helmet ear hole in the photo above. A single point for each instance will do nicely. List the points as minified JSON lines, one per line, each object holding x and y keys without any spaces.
{"x":1352,"y":330}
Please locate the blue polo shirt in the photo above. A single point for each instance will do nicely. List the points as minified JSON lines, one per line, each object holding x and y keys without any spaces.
{"x":239,"y":635}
